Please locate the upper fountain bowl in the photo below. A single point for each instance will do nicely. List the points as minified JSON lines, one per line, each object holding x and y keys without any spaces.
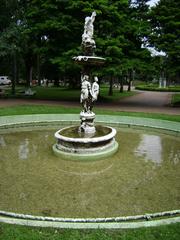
{"x":89,"y":60}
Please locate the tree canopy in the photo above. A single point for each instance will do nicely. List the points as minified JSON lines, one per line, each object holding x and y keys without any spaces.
{"x":165,"y":33}
{"x":40,"y":37}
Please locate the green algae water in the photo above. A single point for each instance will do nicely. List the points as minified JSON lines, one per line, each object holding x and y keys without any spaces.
{"x":142,"y":177}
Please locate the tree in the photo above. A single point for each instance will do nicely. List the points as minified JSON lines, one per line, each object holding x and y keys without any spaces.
{"x":165,"y":33}
{"x":137,"y":58}
{"x":50,"y":35}
{"x":10,"y":37}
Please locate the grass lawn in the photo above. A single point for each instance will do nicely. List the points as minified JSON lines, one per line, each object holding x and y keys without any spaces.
{"x":66,"y":94}
{"x":155,"y":87}
{"x":13,"y":232}
{"x":44,"y":109}
{"x":176,"y":100}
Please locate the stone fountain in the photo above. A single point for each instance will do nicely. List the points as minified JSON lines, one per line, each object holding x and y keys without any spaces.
{"x":87,"y":141}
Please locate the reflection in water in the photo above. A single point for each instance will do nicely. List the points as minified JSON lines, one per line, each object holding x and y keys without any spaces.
{"x":150,"y":148}
{"x":2,"y":142}
{"x":24,"y":149}
{"x":174,"y":156}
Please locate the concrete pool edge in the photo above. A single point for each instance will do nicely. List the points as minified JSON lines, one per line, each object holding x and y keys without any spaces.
{"x":89,"y":225}
{"x":35,"y":119}
{"x":38,"y":119}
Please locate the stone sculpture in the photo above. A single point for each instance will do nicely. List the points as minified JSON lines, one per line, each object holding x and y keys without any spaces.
{"x":89,"y":93}
{"x":85,"y":93}
{"x":87,"y":141}
{"x":95,"y":89}
{"x":88,"y":42}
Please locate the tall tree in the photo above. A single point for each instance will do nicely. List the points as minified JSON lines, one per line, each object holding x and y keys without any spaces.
{"x":137,"y":58}
{"x":165,"y":34}
{"x":9,"y":38}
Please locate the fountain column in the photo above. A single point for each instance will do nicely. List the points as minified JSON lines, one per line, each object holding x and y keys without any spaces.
{"x":89,"y":84}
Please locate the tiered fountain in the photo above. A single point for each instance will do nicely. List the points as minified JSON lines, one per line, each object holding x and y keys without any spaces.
{"x":87,"y":141}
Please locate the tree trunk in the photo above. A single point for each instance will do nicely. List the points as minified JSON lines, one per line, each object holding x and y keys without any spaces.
{"x":121,"y":84}
{"x":111,"y":87}
{"x":129,"y":80}
{"x":38,"y":70}
{"x":29,"y":69}
{"x":13,"y":90}
{"x":56,"y":81}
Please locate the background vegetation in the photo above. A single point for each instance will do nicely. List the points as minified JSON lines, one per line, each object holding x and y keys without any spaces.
{"x":39,"y":38}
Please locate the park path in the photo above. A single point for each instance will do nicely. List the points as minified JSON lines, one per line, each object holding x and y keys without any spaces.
{"x":143,"y":101}
{"x":151,"y":99}
{"x":147,"y":101}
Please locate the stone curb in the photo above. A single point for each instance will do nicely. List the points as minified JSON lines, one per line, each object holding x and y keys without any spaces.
{"x":108,"y":119}
{"x":147,"y":216}
{"x":113,"y":225}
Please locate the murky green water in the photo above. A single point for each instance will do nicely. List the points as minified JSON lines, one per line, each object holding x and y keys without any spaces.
{"x":143,"y":176}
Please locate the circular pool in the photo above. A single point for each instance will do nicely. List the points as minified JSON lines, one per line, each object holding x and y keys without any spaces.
{"x":143,"y":176}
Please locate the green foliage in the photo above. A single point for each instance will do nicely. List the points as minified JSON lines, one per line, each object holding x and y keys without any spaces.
{"x":165,"y":33}
{"x":176,"y":100}
{"x":152,"y":87}
{"x":46,"y":34}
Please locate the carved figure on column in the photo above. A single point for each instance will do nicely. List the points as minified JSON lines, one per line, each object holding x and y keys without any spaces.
{"x":85,"y":92}
{"x":94,"y":91}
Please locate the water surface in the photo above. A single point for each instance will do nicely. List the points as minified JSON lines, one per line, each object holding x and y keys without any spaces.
{"x":143,"y":176}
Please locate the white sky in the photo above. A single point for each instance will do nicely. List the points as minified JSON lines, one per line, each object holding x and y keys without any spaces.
{"x":152,"y":2}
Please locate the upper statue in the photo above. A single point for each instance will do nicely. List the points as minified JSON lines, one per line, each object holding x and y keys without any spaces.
{"x":88,"y":42}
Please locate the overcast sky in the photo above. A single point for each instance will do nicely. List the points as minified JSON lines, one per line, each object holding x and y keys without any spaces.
{"x":153,"y":2}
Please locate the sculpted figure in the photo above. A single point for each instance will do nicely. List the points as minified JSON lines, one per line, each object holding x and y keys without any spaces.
{"x":88,"y":26}
{"x":89,"y":93}
{"x":87,"y":37}
{"x":95,"y":89}
{"x":85,"y":90}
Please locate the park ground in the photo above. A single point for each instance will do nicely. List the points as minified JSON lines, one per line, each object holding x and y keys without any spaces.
{"x":141,"y":102}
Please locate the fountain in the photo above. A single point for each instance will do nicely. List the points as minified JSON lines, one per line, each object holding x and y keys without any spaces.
{"x":142,"y":177}
{"x":87,"y":141}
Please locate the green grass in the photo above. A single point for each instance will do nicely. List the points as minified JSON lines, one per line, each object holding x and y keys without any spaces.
{"x":48,"y":93}
{"x":175,"y":100}
{"x":65,"y":94}
{"x":10,"y":232}
{"x":116,"y":94}
{"x":154,"y":87}
{"x":44,"y":109}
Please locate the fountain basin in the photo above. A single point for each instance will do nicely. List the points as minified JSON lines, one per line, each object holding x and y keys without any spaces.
{"x":74,"y":145}
{"x":133,"y":181}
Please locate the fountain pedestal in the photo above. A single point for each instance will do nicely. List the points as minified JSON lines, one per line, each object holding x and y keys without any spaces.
{"x":87,"y":122}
